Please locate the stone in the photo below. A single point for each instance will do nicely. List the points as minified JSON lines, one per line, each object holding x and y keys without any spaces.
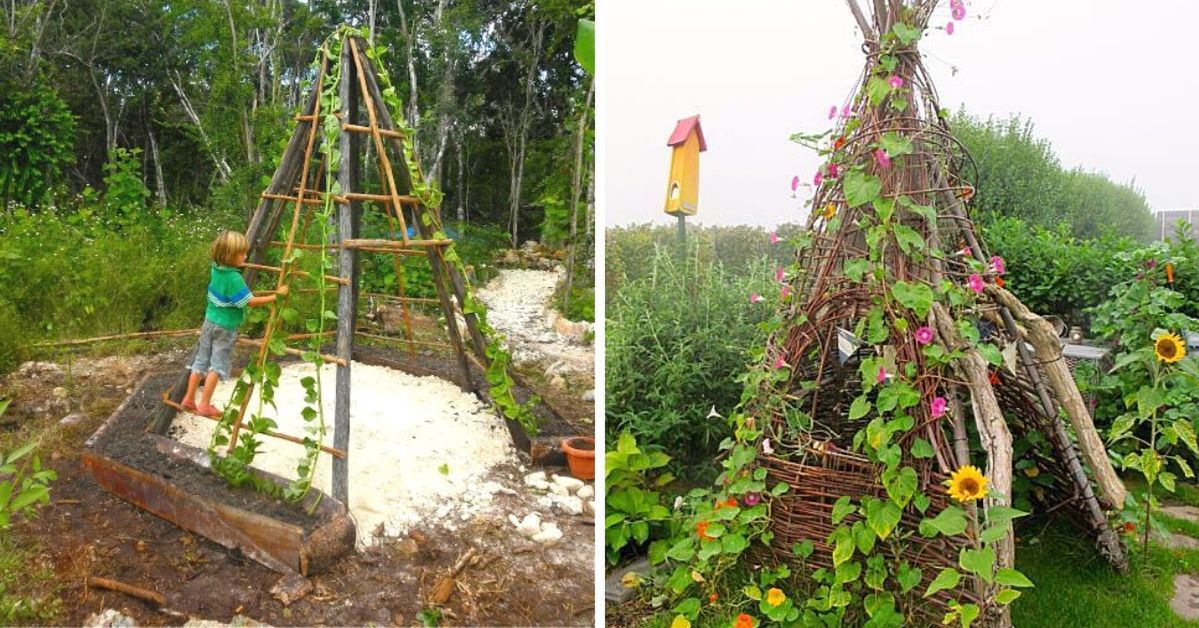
{"x":290,"y":588}
{"x":109,"y":618}
{"x":1185,"y":602}
{"x":567,"y":482}
{"x":539,"y":476}
{"x":585,"y":492}
{"x":570,"y":505}
{"x":558,"y":382}
{"x":588,"y":396}
{"x":530,"y":525}
{"x":74,"y":418}
{"x":60,"y":392}
{"x":590,"y":509}
{"x":614,"y":590}
{"x":550,"y":533}
{"x":558,"y":489}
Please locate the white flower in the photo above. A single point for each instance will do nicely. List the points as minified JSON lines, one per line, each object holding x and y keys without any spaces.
{"x":714,"y":413}
{"x":766,"y":448}
{"x":678,"y":502}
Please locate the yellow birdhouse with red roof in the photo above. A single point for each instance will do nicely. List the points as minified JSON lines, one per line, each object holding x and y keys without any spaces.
{"x":682,"y":187}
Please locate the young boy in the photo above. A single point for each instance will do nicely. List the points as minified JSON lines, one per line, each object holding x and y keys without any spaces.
{"x":228,"y":297}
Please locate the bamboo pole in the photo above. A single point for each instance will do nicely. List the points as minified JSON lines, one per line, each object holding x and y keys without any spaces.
{"x":129,"y":336}
{"x":178,"y":407}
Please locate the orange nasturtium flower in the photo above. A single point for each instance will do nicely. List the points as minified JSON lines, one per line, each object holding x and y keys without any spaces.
{"x":701,"y":529}
{"x":775,"y":596}
{"x":744,"y":621}
{"x":967,"y":484}
{"x":712,"y":598}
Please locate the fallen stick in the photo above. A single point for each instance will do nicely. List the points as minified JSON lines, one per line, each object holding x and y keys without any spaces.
{"x":143,"y":594}
{"x":137,"y":334}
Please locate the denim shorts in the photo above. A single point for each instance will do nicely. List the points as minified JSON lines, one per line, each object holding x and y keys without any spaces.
{"x":215,"y":352}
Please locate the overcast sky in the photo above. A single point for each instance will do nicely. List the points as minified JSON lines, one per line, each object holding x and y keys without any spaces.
{"x":1113,"y":85}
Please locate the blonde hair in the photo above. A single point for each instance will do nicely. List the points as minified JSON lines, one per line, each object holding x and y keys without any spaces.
{"x":228,"y":246}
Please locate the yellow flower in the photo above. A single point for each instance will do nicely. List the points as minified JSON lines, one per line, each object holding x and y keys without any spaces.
{"x":631,"y":580}
{"x":967,"y":483}
{"x":830,"y":210}
{"x":775,"y":596}
{"x":1032,"y":471}
{"x":1169,"y":348}
{"x":680,"y":622}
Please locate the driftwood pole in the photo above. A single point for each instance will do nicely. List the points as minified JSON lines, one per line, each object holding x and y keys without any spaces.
{"x":994,"y":436}
{"x":347,"y":265}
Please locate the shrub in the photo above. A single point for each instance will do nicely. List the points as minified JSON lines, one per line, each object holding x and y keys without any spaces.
{"x":677,"y":339}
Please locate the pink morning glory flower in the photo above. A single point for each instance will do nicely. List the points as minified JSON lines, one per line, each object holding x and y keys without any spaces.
{"x":753,"y":499}
{"x":833,"y":170}
{"x":816,"y":180}
{"x":939,"y":405}
{"x":958,"y":9}
{"x":924,"y":335}
{"x":883,"y":160}
{"x":845,"y":112}
{"x":965,"y":251}
{"x":785,"y":291}
{"x":794,"y":183}
{"x":779,"y":274}
{"x":755,"y":298}
{"x":976,"y":283}
{"x":766,"y":448}
{"x":882,"y":375}
{"x":949,"y":28}
{"x":997,"y":265}
{"x":895,"y":81}
{"x":774,"y":236}
{"x":780,"y":362}
{"x":832,"y":112}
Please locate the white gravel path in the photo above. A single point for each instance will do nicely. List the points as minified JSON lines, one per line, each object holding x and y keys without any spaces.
{"x":518,"y":306}
{"x":421,"y":450}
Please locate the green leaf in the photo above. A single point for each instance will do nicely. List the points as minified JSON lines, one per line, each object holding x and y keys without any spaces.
{"x":877,"y":89}
{"x":979,"y":562}
{"x":858,"y":409}
{"x":734,"y":544}
{"x":950,"y":522}
{"x":908,"y":577}
{"x":842,"y":507}
{"x":895,"y":144}
{"x":906,"y":34}
{"x":990,"y":353}
{"x":909,"y":239}
{"x":1012,"y":578}
{"x":993,"y":533}
{"x":861,"y":188}
{"x":1007,"y":596}
{"x":917,"y":297}
{"x":947,"y":579}
{"x":28,"y":496}
{"x":921,"y":448}
{"x":882,"y":516}
{"x":968,"y":613}
{"x":585,"y":45}
{"x":998,"y":514}
{"x":855,"y":269}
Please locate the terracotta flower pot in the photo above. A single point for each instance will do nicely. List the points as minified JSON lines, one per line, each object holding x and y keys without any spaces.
{"x":580,"y":455}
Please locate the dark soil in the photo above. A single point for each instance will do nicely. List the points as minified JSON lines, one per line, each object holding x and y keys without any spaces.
{"x":87,"y":531}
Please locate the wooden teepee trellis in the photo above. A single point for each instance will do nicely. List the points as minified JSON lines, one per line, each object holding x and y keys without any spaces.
{"x":850,"y":266}
{"x":299,"y":185}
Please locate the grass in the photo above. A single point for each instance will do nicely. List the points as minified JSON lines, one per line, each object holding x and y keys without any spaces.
{"x":28,"y":590}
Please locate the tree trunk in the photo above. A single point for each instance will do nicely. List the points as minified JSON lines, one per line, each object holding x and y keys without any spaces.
{"x":222,"y":166}
{"x":160,"y":186}
{"x":575,"y":184}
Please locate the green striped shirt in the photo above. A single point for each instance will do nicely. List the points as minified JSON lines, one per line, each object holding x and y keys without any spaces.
{"x":228,"y":297}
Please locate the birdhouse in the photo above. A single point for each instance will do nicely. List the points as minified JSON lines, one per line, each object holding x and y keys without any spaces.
{"x":682,"y":188}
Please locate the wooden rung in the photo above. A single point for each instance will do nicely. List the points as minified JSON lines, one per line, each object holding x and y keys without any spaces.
{"x":389,"y":251}
{"x":303,"y":118}
{"x":401,"y":340}
{"x":378,"y":198}
{"x":287,"y":437}
{"x":312,"y":335}
{"x":289,"y":351}
{"x":291,"y":199}
{"x":354,"y":243}
{"x":310,"y":247}
{"x":275,"y":269}
{"x":393,"y":297}
{"x":366,"y":129}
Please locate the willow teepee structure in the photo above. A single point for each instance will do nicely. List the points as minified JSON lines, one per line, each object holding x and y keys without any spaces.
{"x":899,"y":358}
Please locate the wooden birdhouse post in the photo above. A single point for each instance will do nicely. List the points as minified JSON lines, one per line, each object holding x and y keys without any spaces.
{"x":682,"y":186}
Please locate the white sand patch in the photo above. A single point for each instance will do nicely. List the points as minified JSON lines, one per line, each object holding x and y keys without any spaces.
{"x":419,"y":446}
{"x":519,"y":307}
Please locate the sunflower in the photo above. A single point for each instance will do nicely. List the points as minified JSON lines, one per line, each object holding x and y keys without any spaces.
{"x":1169,"y":348}
{"x":967,"y":483}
